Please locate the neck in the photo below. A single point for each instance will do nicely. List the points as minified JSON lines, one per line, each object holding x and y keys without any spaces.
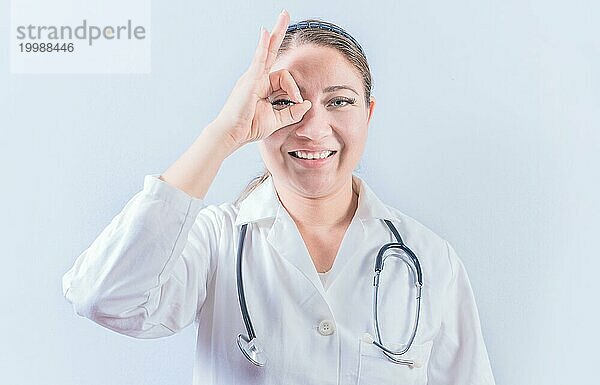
{"x":334,"y":210}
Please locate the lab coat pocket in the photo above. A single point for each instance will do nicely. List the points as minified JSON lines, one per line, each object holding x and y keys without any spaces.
{"x":376,"y":368}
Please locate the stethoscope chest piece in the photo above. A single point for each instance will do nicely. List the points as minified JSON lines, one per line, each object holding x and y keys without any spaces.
{"x":252,"y":349}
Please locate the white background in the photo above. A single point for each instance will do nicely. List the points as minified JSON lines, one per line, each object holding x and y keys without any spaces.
{"x":486,"y":131}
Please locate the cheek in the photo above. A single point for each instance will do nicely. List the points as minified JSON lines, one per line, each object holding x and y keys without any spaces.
{"x":270,"y":147}
{"x":273,"y":145}
{"x":276,"y":139}
{"x":353,"y":128}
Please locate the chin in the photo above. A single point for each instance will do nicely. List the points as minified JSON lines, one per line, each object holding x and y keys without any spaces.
{"x":313,"y":185}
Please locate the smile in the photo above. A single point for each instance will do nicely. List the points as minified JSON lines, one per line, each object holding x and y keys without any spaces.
{"x":312,"y":160}
{"x":312,"y":155}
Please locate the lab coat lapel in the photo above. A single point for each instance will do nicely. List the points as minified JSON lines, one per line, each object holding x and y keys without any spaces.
{"x":351,"y":245}
{"x":263,"y":204}
{"x":287,"y":241}
{"x":370,"y":208}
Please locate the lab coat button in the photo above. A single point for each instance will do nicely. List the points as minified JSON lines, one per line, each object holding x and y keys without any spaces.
{"x":326,"y":327}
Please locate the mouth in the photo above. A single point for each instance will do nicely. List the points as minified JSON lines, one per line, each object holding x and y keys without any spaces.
{"x":312,"y":160}
{"x":315,"y":156}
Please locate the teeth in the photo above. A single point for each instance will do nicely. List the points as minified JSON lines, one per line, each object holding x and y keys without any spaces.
{"x":312,"y":155}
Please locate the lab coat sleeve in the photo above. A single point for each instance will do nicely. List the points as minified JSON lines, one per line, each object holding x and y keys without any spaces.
{"x":146,"y":274}
{"x":459,"y":355}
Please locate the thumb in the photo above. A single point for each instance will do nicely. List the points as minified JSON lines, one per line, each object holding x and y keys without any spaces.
{"x":292,"y":114}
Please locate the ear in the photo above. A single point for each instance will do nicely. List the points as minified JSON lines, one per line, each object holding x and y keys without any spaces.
{"x":371,"y":108}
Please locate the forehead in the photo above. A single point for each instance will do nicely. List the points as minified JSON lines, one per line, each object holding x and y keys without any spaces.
{"x":317,"y":67}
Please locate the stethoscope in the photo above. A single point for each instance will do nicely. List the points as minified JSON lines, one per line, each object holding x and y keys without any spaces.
{"x":253,"y":349}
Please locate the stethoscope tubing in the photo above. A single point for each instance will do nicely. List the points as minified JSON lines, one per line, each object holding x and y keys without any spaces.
{"x":240,"y":285}
{"x":414,"y":267}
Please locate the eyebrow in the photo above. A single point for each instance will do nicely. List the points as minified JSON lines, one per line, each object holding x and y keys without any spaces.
{"x":334,"y":88}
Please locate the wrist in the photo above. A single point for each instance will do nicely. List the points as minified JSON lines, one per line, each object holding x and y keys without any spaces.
{"x":216,"y":133}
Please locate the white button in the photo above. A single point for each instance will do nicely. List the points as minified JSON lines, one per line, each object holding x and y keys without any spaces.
{"x":326,"y":327}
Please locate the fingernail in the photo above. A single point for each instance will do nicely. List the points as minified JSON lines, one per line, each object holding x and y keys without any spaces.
{"x":283,"y":11}
{"x":261,"y":32}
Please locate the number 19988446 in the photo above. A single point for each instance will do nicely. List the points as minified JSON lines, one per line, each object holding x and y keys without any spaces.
{"x":46,"y":47}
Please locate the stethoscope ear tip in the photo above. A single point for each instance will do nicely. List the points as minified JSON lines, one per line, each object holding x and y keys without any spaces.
{"x":415,"y":364}
{"x":368,"y":338}
{"x":252,"y":350}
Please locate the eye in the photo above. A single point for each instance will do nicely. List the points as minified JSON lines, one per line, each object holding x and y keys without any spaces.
{"x":341,"y":102}
{"x":280,"y":104}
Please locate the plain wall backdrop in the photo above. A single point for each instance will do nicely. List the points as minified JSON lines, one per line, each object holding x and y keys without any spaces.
{"x":485,"y":130}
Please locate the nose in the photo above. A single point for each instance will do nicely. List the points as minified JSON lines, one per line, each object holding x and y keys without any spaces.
{"x":315,"y":124}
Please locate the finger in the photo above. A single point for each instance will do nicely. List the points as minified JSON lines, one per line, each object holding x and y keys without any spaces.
{"x":283,"y":80}
{"x":260,"y":55}
{"x":292,"y":114}
{"x":277,"y":37}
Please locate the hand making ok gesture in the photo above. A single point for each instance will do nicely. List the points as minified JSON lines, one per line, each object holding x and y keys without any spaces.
{"x":248,"y":115}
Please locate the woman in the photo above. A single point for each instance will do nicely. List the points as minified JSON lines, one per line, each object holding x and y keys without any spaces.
{"x":310,"y":230}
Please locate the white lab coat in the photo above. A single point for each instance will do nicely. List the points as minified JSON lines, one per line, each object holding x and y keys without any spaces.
{"x":167,"y":260}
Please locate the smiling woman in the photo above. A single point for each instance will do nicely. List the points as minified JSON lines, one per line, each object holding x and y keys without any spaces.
{"x":336,"y":123}
{"x":344,"y":60}
{"x":297,"y":261}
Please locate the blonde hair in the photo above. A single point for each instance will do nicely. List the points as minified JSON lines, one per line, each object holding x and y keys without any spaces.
{"x":254,"y":183}
{"x":325,"y":38}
